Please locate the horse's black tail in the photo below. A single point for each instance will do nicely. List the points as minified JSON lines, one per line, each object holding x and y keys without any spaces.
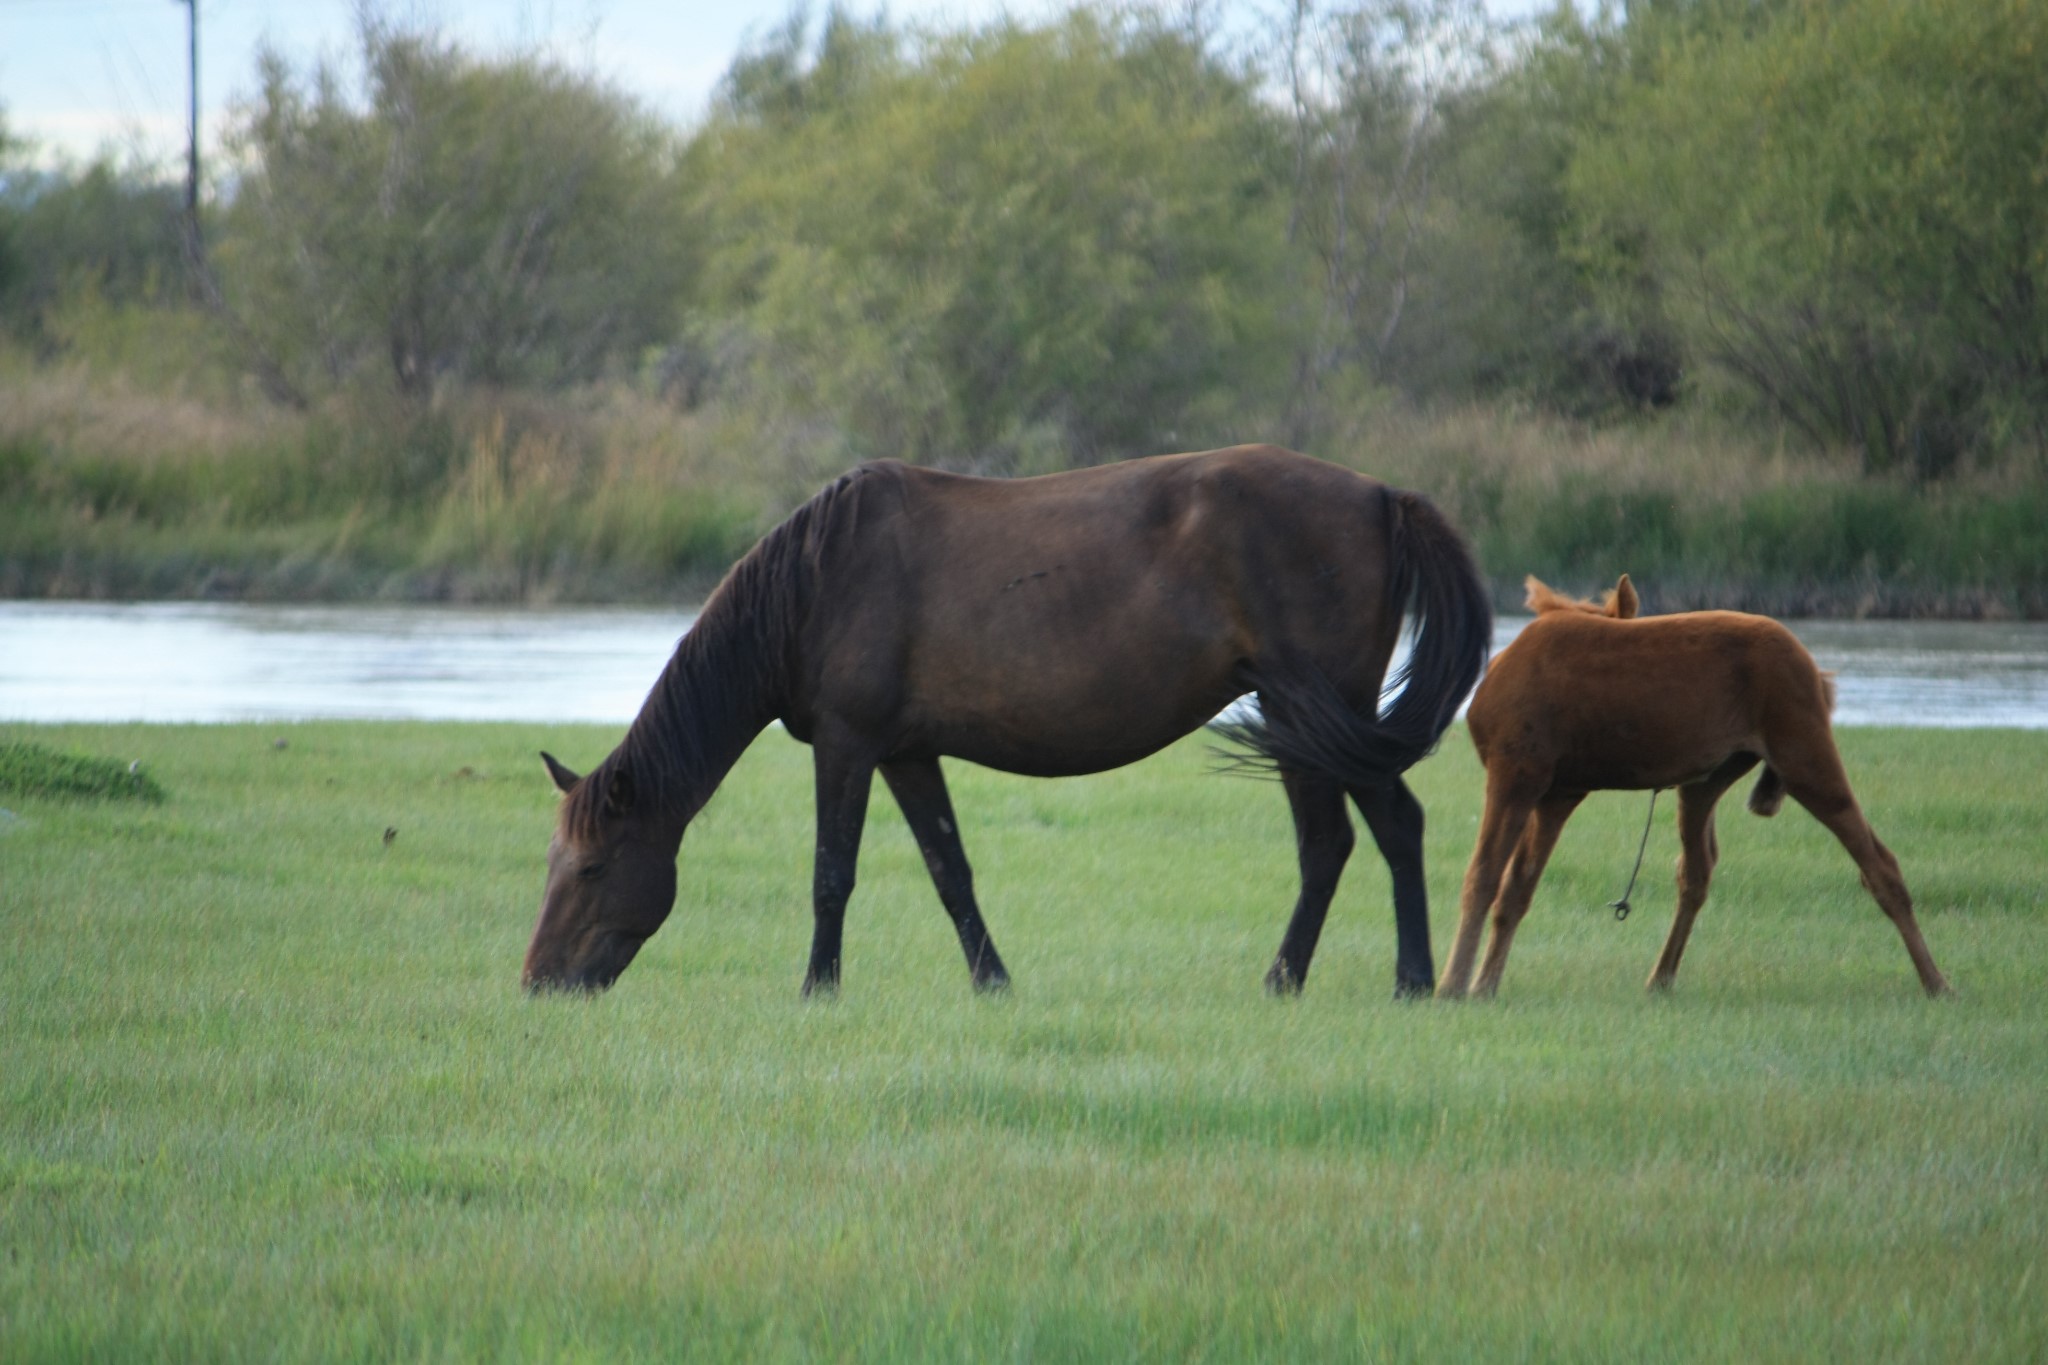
{"x":1306,"y":724}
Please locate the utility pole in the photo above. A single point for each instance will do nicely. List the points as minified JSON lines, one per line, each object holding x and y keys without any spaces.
{"x":193,"y":238}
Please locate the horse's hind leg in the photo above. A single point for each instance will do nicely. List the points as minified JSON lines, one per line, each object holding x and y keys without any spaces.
{"x":1395,"y":818}
{"x":920,"y":789}
{"x":1820,"y":785}
{"x":1518,"y":888}
{"x":1698,"y":851}
{"x":1509,"y":803}
{"x":1323,"y":841}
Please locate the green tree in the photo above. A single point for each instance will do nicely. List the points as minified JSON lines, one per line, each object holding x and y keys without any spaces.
{"x":982,"y":244}
{"x":1845,"y":206}
{"x":102,"y":231}
{"x":1369,"y":87}
{"x":500,"y":222}
{"x":1503,"y":305}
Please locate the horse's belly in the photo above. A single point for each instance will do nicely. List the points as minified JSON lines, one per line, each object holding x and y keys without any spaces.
{"x":1045,"y":732}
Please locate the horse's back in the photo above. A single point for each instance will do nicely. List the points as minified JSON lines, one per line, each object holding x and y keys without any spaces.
{"x":1074,"y":621}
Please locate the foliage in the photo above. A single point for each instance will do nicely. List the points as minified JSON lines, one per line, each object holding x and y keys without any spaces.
{"x":1369,"y":86}
{"x":1504,"y":306}
{"x":483,"y":325}
{"x":36,"y":770}
{"x":965,"y":245}
{"x":1846,"y":207}
{"x":104,"y":233}
{"x":494,"y":222}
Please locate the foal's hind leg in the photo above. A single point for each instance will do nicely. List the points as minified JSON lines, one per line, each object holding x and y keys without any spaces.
{"x":920,"y":789}
{"x":1323,"y":841}
{"x":1698,"y":851}
{"x":1395,"y":818}
{"x":1819,"y":784}
{"x":1518,"y":888}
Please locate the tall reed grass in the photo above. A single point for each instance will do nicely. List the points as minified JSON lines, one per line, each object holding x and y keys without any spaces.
{"x":112,"y":489}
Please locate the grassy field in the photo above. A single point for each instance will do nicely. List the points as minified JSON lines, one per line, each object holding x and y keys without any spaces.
{"x":271,"y":1091}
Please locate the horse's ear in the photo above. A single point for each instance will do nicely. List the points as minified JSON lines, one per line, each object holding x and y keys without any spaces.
{"x":564,"y":779}
{"x":1625,"y":601}
{"x":619,"y":794}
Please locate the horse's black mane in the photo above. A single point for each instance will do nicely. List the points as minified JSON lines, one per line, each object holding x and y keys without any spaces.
{"x":726,"y":674}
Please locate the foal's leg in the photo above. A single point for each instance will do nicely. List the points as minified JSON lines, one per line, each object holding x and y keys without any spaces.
{"x":920,"y":789}
{"x":1395,"y":818}
{"x":1818,"y":783}
{"x":1525,"y":869}
{"x":1509,"y":803}
{"x":1698,"y":851}
{"x":844,"y":772}
{"x":1322,"y":841}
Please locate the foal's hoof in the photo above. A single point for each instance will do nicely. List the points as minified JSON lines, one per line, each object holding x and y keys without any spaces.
{"x":821,"y":988}
{"x":995,"y":983}
{"x":1405,"y":989}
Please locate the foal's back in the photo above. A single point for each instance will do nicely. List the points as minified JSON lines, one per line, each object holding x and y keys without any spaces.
{"x":1600,"y":703}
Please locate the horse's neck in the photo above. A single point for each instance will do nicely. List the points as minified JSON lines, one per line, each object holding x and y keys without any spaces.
{"x":719,"y":690}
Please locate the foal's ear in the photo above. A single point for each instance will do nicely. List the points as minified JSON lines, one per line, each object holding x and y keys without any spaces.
{"x":1622,"y":606}
{"x":564,"y":779}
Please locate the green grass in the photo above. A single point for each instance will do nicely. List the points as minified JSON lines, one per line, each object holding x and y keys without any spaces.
{"x":37,"y":770}
{"x":271,"y":1091}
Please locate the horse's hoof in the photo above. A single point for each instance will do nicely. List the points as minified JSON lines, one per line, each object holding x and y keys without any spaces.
{"x":1413,"y":990}
{"x":992,"y":985}
{"x":1281,"y":983}
{"x":817,"y":989}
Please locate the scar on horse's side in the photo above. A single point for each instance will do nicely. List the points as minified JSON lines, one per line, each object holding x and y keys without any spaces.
{"x":1589,"y":697}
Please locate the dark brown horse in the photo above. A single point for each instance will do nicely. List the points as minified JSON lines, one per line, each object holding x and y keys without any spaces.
{"x":1587,"y":699}
{"x":1048,"y":626}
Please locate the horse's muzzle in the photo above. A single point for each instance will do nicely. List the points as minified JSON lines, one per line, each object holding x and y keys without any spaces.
{"x":600,"y":964}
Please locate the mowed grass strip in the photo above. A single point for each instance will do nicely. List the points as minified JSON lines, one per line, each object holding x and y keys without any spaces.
{"x":268,"y":1087}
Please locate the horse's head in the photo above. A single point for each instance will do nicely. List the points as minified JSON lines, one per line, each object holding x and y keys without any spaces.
{"x":611,"y":882}
{"x":1620,"y":603}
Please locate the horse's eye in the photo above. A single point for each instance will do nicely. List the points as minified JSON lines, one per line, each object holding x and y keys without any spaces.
{"x":590,"y":872}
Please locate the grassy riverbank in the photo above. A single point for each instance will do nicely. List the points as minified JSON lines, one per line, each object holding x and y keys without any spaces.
{"x":114,"y":491}
{"x":271,"y":1090}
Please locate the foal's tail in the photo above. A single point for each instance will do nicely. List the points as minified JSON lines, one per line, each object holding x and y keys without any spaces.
{"x":1307,"y":726}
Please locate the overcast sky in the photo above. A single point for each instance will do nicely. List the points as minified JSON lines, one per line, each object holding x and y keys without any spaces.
{"x":78,"y":75}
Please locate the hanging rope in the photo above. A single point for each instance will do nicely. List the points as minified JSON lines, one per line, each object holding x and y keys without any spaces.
{"x":1621,"y":907}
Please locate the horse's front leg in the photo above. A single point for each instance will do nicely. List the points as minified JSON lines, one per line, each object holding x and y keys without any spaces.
{"x":920,"y":789}
{"x":1395,"y":818}
{"x":844,"y":772}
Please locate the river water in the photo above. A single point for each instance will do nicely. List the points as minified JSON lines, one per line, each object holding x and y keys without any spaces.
{"x":68,"y":661}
